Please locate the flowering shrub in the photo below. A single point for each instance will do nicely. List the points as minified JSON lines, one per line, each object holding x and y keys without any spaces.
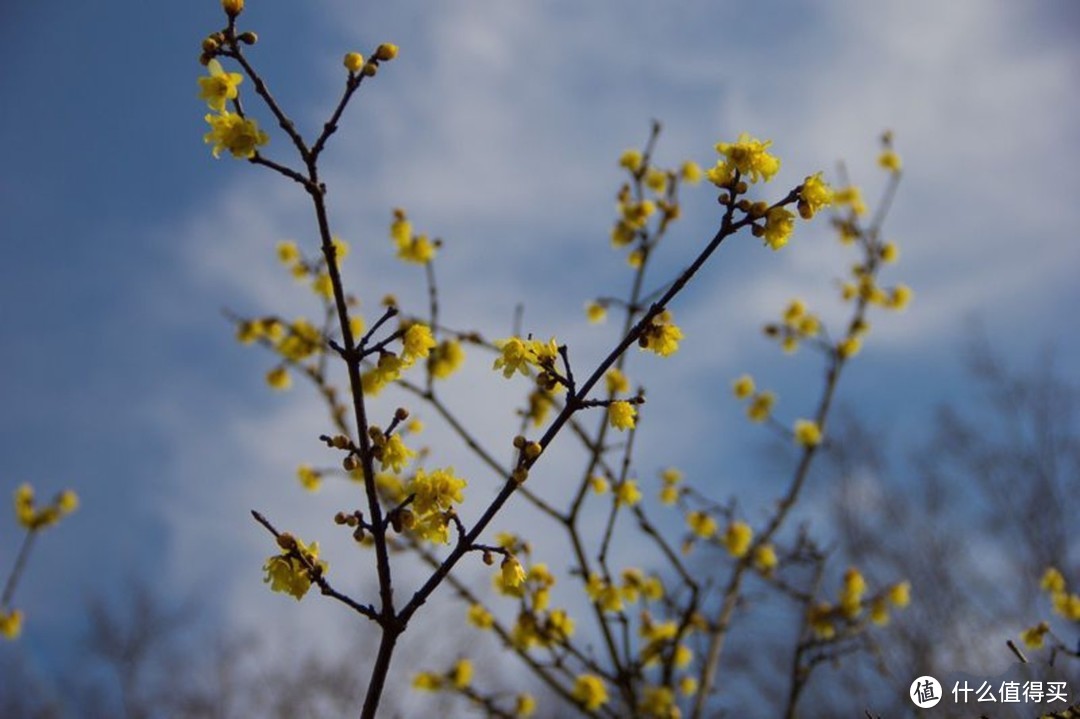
{"x":652,"y":641}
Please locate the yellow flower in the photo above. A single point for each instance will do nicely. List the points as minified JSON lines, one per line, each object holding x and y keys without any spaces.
{"x":656,"y":180}
{"x":691,"y":172}
{"x":418,"y":249}
{"x":890,"y":253}
{"x":598,"y":484}
{"x":417,"y":342}
{"x":661,"y":337}
{"x":900,"y":594}
{"x":11,"y":624}
{"x":807,"y":433}
{"x":631,"y":160}
{"x":461,"y":674}
{"x":671,"y":475}
{"x":761,"y":406}
{"x":879,"y":612}
{"x":524,"y":705}
{"x":353,"y":62}
{"x":669,"y":495}
{"x":67,"y":502}
{"x":279,"y":378}
{"x":386,"y":51}
{"x":1033,"y":636}
{"x":852,"y":197}
{"x":750,"y":157}
{"x":219,"y":87}
{"x":480,"y":618}
{"x":899,"y":298}
{"x":616,"y":381}
{"x":701,"y":524}
{"x":512,"y":574}
{"x":659,"y":702}
{"x":737,"y":538}
{"x":890,"y":161}
{"x":596,"y":312}
{"x":779,"y":224}
{"x":590,"y":692}
{"x":688,"y":686}
{"x":24,"y":505}
{"x":1052,"y":581}
{"x":233,"y":7}
{"x":310,"y":479}
{"x":628,"y":494}
{"x":427,"y":682}
{"x":622,"y":415}
{"x":436,"y":491}
{"x":765,"y":559}
{"x":287,"y":252}
{"x":515,"y":357}
{"x":446,"y":358}
{"x":819,"y":617}
{"x":852,"y":593}
{"x":239,"y":135}
{"x":848,"y":347}
{"x":286,"y":572}
{"x":323,"y":286}
{"x":814,"y":195}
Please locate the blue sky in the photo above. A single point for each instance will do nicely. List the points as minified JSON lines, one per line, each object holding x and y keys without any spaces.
{"x":498,"y":128}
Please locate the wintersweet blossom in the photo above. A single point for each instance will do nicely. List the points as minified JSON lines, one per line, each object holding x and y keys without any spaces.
{"x":219,"y":86}
{"x":239,"y":135}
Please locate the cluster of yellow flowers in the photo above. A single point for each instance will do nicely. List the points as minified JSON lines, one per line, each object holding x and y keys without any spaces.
{"x":411,"y":247}
{"x":33,"y":519}
{"x":761,"y":404}
{"x":796,"y":324}
{"x":230,"y":131}
{"x":1064,"y":603}
{"x":293,"y":570}
{"x":824,"y":618}
{"x":38,"y":518}
{"x":635,"y":209}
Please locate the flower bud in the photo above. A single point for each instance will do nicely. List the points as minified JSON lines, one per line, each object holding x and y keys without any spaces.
{"x":232,"y":7}
{"x":210,"y":45}
{"x":401,"y":414}
{"x":386,"y":51}
{"x":286,"y":541}
{"x":354,"y":62}
{"x":248,"y":38}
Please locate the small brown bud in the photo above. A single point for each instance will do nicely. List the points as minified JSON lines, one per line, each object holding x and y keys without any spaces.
{"x":401,"y":414}
{"x":286,"y":541}
{"x":395,"y":521}
{"x":248,"y":38}
{"x":519,"y":442}
{"x":488,"y":558}
{"x":519,"y":475}
{"x":358,"y":535}
{"x":350,"y":462}
{"x":804,"y":210}
{"x":742,"y":187}
{"x":341,"y":518}
{"x":210,"y":45}
{"x":340,"y":442}
{"x":533,"y":450}
{"x":408,"y":519}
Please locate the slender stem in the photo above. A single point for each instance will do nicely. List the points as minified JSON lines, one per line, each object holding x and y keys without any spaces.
{"x":17,"y":570}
